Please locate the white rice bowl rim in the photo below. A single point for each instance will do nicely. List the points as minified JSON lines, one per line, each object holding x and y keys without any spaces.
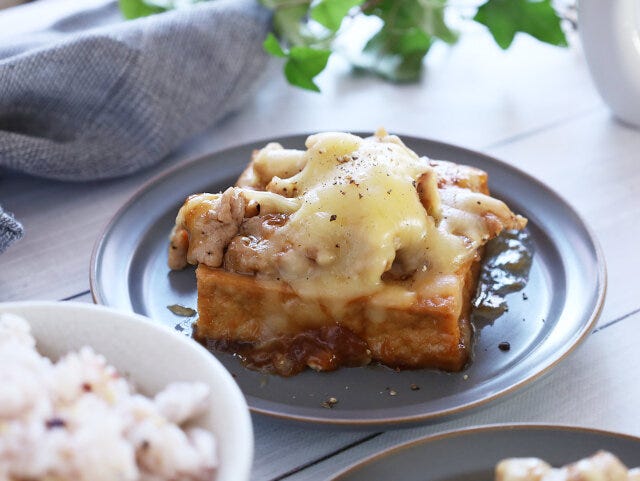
{"x":151,"y":356}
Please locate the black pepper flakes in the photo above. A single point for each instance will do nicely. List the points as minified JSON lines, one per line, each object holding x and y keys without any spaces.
{"x":55,"y":423}
{"x":333,"y":217}
{"x":524,"y":296}
{"x":504,"y":346}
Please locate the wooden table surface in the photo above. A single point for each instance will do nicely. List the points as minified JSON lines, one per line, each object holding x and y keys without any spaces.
{"x":534,"y":107}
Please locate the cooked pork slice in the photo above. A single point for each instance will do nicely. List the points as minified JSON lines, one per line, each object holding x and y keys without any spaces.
{"x":205,"y":225}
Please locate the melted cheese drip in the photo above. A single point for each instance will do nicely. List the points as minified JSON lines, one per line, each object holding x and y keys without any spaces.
{"x":359,"y":212}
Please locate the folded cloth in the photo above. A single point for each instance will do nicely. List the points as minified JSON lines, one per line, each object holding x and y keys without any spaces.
{"x":10,"y":230}
{"x":94,"y":96}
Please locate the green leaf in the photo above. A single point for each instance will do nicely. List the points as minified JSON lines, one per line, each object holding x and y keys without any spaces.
{"x":412,"y":41}
{"x":396,"y":56}
{"x":288,"y":22}
{"x":304,"y":64}
{"x":433,"y":23}
{"x":504,"y":18}
{"x":138,"y":8}
{"x":330,"y":13}
{"x":306,"y":58}
{"x":272,"y":46}
{"x":410,"y":28}
{"x":427,"y":15}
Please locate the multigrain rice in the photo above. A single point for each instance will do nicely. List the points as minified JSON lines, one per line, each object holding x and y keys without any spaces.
{"x":78,"y":419}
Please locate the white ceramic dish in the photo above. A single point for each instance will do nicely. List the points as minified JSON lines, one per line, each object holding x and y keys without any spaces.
{"x":151,"y":356}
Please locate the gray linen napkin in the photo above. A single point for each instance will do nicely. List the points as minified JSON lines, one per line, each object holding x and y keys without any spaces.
{"x":94,"y":96}
{"x":10,"y":230}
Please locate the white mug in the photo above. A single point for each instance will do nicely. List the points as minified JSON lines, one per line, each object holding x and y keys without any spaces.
{"x":610,"y":34}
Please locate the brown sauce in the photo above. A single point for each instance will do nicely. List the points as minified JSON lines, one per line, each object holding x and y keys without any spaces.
{"x":505,"y":269}
{"x":323,"y":349}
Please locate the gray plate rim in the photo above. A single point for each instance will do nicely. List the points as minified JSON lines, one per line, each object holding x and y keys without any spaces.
{"x":487,"y":429}
{"x":267,"y":408}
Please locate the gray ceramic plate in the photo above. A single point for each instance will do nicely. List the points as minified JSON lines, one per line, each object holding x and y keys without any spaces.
{"x":567,"y":281}
{"x":471,"y":454}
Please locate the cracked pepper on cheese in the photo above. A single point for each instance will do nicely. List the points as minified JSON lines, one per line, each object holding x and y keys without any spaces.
{"x":355,"y":249}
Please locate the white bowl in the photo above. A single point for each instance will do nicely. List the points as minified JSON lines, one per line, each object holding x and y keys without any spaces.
{"x":152,"y":356}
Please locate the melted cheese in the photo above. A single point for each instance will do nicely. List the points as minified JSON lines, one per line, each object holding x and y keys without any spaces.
{"x":360,"y":211}
{"x":365,"y":217}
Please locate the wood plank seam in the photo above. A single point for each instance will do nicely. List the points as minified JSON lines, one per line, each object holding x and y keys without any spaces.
{"x":75,"y":296}
{"x":325,"y":457}
{"x":615,"y":321}
{"x":543,"y":128}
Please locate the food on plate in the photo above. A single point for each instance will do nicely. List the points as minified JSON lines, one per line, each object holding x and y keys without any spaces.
{"x":79,"y":419}
{"x":353,"y":250}
{"x":601,"y":466}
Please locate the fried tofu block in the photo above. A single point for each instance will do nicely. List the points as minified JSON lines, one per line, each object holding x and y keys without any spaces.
{"x":355,"y":250}
{"x":276,"y":330}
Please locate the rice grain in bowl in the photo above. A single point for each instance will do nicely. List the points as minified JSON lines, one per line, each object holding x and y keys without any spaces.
{"x":151,"y":357}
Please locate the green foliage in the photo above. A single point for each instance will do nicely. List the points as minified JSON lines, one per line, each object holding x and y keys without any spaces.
{"x":141,"y":8}
{"x":272,"y":46}
{"x":289,"y":21}
{"x":304,"y":31}
{"x":505,"y":18}
{"x":138,"y":8}
{"x":330,"y":13}
{"x":395,"y":55}
{"x":410,"y":27}
{"x":303,"y":64}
